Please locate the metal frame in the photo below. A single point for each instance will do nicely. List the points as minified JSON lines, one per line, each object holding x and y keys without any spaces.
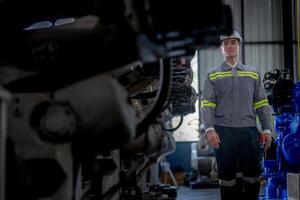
{"x":287,"y":16}
{"x":4,"y":98}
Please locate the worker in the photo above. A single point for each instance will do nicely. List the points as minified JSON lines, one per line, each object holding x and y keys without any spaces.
{"x":233,"y":96}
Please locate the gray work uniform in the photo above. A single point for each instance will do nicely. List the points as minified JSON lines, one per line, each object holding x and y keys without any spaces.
{"x":233,"y":97}
{"x":231,"y":101}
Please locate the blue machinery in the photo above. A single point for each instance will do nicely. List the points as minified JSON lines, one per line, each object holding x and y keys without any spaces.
{"x":285,"y":100}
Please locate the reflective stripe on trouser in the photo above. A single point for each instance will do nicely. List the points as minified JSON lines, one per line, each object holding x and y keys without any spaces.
{"x":240,"y":188}
{"x":251,"y":179}
{"x":228,"y":183}
{"x":238,"y":152}
{"x":245,"y":178}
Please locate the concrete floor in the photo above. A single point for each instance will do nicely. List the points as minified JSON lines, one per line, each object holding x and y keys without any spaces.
{"x":186,"y":193}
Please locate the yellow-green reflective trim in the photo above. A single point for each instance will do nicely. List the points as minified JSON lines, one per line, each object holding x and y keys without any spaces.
{"x":253,"y":75}
{"x":220,"y":76}
{"x":216,"y":75}
{"x":207,"y":103}
{"x":247,"y":72}
{"x":261,"y":103}
{"x":249,"y":75}
{"x":220,"y":73}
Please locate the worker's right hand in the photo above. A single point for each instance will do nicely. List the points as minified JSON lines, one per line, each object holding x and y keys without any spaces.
{"x":213,"y":138}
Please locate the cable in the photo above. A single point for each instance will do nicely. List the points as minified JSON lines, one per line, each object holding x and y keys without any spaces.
{"x":174,"y":129}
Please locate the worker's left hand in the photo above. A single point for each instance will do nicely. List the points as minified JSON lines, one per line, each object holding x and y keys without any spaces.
{"x":266,"y":140}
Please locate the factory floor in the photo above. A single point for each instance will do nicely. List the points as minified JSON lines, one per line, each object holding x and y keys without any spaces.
{"x":186,"y":193}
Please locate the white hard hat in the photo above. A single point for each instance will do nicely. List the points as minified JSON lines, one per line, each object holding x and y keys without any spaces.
{"x":235,"y":35}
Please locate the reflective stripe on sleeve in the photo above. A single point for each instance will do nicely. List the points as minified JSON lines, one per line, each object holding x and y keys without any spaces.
{"x":261,"y":103}
{"x":207,"y":104}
